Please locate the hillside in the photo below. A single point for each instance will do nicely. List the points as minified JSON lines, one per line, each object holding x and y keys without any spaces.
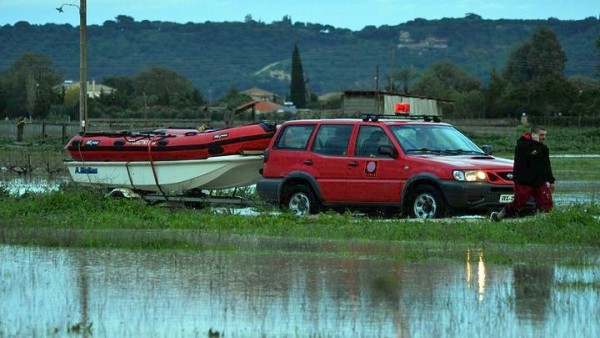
{"x":218,"y":56}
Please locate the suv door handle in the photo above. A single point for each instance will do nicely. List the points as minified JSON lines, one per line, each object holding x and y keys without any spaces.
{"x":353,"y":164}
{"x":308,"y":162}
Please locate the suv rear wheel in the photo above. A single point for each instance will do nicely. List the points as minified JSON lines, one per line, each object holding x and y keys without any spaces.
{"x":300,"y":200}
{"x":427,"y":202}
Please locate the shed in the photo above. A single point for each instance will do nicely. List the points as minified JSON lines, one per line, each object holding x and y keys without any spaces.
{"x":356,"y":103}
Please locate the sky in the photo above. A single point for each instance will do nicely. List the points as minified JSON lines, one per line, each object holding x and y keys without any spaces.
{"x":351,"y":14}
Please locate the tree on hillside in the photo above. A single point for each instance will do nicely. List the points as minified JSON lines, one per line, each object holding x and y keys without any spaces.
{"x":496,"y":104}
{"x":541,"y":56}
{"x":588,"y":96}
{"x":535,"y":70}
{"x":163,"y":86}
{"x":29,"y":86}
{"x":445,"y":80}
{"x":448,"y":81}
{"x":297,"y":86}
{"x":404,"y":75}
{"x":123,"y":93}
{"x":598,"y":66}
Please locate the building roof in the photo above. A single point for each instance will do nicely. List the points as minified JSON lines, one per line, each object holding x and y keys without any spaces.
{"x":267,"y":107}
{"x":374,"y":93}
{"x":260,"y":106}
{"x":255,"y":91}
{"x":331,"y":96}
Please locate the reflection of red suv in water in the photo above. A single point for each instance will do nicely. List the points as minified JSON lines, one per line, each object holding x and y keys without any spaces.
{"x":424,"y":169}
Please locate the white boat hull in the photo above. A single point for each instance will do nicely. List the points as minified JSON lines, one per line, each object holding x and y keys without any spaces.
{"x":213,"y":173}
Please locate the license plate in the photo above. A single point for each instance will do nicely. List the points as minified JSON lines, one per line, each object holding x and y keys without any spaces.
{"x":506,"y":198}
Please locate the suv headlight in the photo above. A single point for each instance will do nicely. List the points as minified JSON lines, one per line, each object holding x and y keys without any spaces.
{"x":469,"y":175}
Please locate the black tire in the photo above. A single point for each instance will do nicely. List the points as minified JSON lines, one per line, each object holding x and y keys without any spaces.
{"x":300,"y":200}
{"x":427,"y":202}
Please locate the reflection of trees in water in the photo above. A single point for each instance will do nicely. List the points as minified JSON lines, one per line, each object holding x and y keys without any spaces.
{"x":532,"y":285}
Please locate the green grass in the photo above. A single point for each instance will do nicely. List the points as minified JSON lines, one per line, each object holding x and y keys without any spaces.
{"x":85,"y":218}
{"x":561,"y":140}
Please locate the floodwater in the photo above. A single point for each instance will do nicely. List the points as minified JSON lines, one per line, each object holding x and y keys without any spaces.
{"x":295,"y":291}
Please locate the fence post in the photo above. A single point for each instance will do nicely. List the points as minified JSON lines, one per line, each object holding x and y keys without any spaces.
{"x":20,"y":128}
{"x":64,"y":132}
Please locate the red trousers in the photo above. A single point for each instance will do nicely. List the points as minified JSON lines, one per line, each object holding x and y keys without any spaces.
{"x":542,"y":196}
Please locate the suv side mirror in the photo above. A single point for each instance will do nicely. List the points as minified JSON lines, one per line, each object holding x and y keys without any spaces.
{"x":388,"y":150}
{"x":487,"y":149}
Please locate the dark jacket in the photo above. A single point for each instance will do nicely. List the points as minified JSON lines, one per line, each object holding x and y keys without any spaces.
{"x":532,"y":162}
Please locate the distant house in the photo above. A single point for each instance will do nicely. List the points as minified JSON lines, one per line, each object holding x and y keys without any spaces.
{"x":258,"y":94}
{"x":356,"y":103}
{"x":93,"y":90}
{"x":264,"y":107}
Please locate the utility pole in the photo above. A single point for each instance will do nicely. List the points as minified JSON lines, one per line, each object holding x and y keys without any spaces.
{"x":377,"y":78}
{"x":83,"y":112}
{"x":83,"y":116}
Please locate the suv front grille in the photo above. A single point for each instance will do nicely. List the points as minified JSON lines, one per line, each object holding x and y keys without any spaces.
{"x":506,"y":175}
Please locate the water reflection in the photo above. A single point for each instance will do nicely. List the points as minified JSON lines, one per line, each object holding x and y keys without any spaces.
{"x":480,"y":273}
{"x":21,"y":185}
{"x":248,"y":293}
{"x":532,"y":286}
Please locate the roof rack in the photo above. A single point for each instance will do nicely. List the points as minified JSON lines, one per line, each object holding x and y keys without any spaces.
{"x":426,"y":118}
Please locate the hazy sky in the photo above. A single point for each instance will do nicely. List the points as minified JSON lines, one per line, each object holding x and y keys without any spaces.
{"x":353,"y":14}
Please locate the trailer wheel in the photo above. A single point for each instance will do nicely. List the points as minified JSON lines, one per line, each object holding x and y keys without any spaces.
{"x":117,"y":194}
{"x":427,"y":202}
{"x":300,"y":200}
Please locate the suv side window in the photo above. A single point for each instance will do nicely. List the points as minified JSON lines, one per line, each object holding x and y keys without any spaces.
{"x":368,"y":141}
{"x":295,"y":137}
{"x":332,"y":139}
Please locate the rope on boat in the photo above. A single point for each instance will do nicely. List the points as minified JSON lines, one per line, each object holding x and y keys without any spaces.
{"x":154,"y":171}
{"x":129,"y":175}
{"x":81,"y":155}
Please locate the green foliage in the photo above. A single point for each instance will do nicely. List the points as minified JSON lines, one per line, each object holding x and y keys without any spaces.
{"x":341,"y":58}
{"x":297,"y":86}
{"x":598,"y":66}
{"x":166,"y":87}
{"x":541,"y":56}
{"x":117,"y":222}
{"x":27,"y":87}
{"x":560,"y":140}
{"x":336,"y":60}
{"x":445,"y":80}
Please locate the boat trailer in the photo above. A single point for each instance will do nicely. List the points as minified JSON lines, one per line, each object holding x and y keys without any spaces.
{"x":199,"y":198}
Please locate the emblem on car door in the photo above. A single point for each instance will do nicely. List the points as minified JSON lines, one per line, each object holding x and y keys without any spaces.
{"x":371,"y":169}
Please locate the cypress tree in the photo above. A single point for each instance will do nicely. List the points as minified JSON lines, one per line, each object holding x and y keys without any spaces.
{"x":297,"y":86}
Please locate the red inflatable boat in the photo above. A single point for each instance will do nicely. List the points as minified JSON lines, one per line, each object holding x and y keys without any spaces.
{"x":170,"y":144}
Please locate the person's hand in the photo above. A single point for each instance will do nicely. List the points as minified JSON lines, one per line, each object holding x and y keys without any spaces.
{"x":552,"y":187}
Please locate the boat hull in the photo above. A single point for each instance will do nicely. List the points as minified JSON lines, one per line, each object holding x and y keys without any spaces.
{"x":169,"y":177}
{"x":169,"y":144}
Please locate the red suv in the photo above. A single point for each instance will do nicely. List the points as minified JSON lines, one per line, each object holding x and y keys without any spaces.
{"x":418,"y":166}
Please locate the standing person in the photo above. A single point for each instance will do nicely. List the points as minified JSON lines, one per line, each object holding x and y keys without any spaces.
{"x":532,"y":174}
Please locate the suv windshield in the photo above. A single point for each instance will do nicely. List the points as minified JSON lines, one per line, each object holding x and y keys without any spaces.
{"x":433,"y":139}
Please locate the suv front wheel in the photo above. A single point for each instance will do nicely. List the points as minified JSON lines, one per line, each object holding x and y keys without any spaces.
{"x":300,"y":200}
{"x":427,"y":202}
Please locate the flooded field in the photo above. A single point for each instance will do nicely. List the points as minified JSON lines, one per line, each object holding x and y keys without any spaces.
{"x":296,"y":291}
{"x":251,"y":286}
